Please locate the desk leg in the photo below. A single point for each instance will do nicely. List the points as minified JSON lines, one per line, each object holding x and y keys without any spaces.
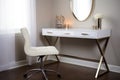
{"x":102,"y":59}
{"x":54,"y":43}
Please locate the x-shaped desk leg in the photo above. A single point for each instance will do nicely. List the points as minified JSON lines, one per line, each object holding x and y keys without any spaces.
{"x":54,"y":43}
{"x":102,"y":59}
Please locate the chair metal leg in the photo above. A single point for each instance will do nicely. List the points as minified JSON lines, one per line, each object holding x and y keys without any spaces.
{"x":49,"y":70}
{"x":102,"y":52}
{"x":31,"y":72}
{"x":43,"y":72}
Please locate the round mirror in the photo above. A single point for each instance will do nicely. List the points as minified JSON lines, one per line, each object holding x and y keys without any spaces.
{"x":81,"y":8}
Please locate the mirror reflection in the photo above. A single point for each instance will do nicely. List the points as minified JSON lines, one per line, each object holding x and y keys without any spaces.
{"x":81,"y":8}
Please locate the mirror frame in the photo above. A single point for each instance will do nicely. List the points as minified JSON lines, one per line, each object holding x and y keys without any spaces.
{"x":91,"y":9}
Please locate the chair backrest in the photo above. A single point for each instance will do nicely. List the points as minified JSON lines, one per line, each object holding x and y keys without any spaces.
{"x":25,"y":34}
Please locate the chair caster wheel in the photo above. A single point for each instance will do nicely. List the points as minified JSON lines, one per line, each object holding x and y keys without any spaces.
{"x":25,"y":76}
{"x":58,"y":75}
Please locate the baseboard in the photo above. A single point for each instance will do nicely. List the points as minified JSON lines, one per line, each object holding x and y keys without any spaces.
{"x":90,"y":64}
{"x":12,"y":65}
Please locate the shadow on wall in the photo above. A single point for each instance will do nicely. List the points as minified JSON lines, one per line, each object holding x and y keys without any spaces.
{"x":19,"y":47}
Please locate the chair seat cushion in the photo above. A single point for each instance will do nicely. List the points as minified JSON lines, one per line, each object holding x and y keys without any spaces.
{"x":39,"y":51}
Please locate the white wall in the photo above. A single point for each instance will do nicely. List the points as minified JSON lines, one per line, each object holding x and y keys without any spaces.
{"x":111,"y":11}
{"x":44,"y":13}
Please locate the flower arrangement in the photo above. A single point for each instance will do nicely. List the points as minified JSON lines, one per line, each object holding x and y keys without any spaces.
{"x":60,"y":21}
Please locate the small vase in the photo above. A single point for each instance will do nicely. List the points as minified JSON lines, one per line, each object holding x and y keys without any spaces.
{"x":99,"y":23}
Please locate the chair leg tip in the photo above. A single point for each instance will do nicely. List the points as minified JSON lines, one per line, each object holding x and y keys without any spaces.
{"x":25,"y":75}
{"x":58,"y":75}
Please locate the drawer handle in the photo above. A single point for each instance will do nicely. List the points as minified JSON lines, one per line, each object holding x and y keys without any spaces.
{"x":67,"y":33}
{"x":49,"y":32}
{"x":84,"y":34}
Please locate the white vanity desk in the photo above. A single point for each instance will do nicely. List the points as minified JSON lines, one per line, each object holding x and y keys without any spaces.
{"x":85,"y":34}
{"x":77,"y":33}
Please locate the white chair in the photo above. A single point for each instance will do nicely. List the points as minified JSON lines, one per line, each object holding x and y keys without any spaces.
{"x":38,"y":52}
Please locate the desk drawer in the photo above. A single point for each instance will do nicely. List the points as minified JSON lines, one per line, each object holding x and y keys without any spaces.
{"x":57,"y":33}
